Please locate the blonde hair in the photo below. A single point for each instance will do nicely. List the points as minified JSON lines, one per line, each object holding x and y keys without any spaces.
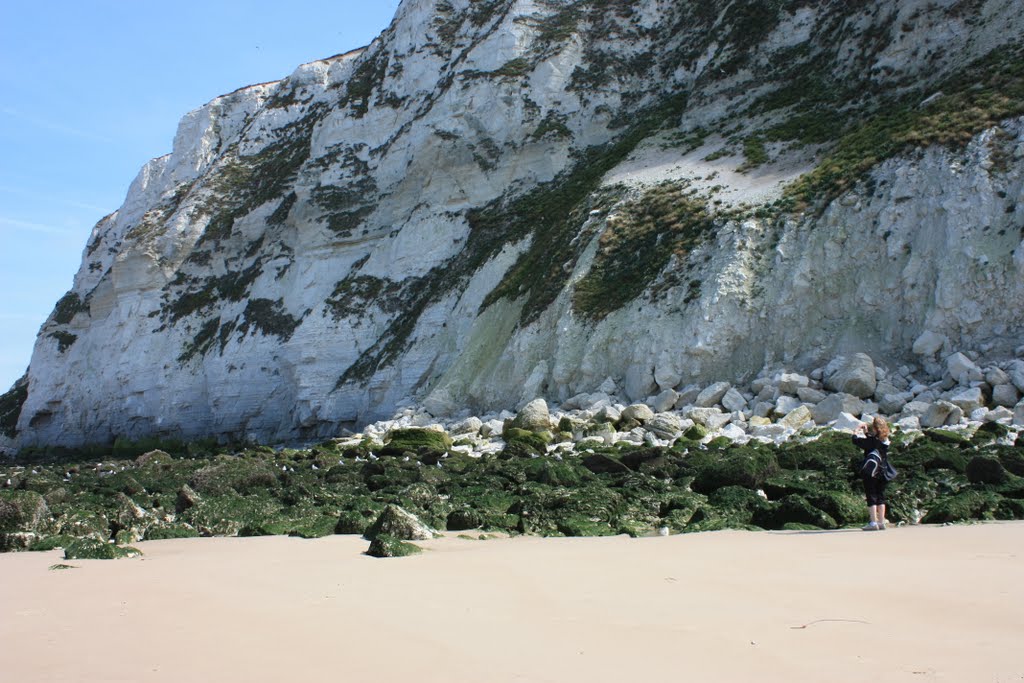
{"x":880,"y":428}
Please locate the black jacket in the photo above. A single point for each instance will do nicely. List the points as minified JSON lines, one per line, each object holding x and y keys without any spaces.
{"x":871,"y":443}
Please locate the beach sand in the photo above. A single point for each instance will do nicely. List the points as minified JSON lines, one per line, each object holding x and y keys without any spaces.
{"x":908,"y":604}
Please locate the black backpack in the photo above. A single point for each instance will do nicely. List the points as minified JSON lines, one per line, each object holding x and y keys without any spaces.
{"x":875,"y":467}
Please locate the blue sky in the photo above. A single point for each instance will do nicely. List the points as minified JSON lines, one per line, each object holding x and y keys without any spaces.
{"x":90,"y":91}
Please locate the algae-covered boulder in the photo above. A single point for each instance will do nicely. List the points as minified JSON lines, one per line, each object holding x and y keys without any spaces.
{"x":22,"y":511}
{"x":244,"y":475}
{"x":389,"y":546}
{"x":162,"y":532}
{"x":522,"y":443}
{"x":984,"y":469}
{"x":91,"y":549}
{"x":416,"y":440}
{"x":464,"y":518}
{"x":534,"y":417}
{"x":792,"y":509}
{"x":600,"y":463}
{"x":399,"y":523}
{"x":740,"y":466}
{"x":964,"y":506}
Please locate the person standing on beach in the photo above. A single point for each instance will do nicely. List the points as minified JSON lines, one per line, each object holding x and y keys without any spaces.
{"x":874,"y":437}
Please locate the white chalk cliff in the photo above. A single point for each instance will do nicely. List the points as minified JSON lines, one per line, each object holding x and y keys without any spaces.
{"x":504,"y":199}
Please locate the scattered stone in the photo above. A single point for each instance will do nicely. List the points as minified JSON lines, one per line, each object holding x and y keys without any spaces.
{"x":786,"y":404}
{"x":797,"y":418}
{"x":928,"y":343}
{"x":907,"y":424}
{"x":999,"y":414}
{"x":810,"y":395}
{"x":639,"y":412}
{"x":853,"y":374}
{"x":712,"y":394}
{"x":1015,"y":369}
{"x":608,"y":414}
{"x":688,"y":394}
{"x":791,"y":383}
{"x":968,"y":400}
{"x":734,"y":432}
{"x":846,"y":422}
{"x":665,"y":401}
{"x":733,"y":401}
{"x":471,"y":425}
{"x":834,"y":405}
{"x":1005,"y":395}
{"x":962,"y":369}
{"x":937,"y":414}
{"x":665,"y":425}
{"x":534,"y":417}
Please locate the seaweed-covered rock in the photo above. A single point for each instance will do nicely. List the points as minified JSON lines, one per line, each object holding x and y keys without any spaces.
{"x":416,"y":440}
{"x":793,"y":509}
{"x":243,"y":475}
{"x":399,"y":523}
{"x":524,"y":443}
{"x":186,"y":498}
{"x":743,"y":466}
{"x":91,"y":549}
{"x":984,"y":469}
{"x":464,"y":518}
{"x":601,"y":463}
{"x":22,"y":511}
{"x":844,"y":507}
{"x":963,"y":507}
{"x":161,"y":532}
{"x":389,"y":546}
{"x":534,"y":417}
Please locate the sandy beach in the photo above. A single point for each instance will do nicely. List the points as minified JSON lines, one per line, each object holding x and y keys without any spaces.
{"x":907,"y":604}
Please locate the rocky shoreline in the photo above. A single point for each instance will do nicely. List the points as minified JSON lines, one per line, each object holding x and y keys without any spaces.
{"x":772,"y":455}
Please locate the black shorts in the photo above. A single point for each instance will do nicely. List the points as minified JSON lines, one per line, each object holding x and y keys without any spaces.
{"x":874,"y":489}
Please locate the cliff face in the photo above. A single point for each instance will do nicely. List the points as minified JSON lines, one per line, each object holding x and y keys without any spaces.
{"x":504,"y":199}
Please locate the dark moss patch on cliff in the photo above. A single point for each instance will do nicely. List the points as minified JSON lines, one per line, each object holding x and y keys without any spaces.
{"x":64,"y":340}
{"x":637,"y":244}
{"x":269,"y":318}
{"x":68,"y":307}
{"x":356,"y":293}
{"x":10,"y":406}
{"x":368,"y":76}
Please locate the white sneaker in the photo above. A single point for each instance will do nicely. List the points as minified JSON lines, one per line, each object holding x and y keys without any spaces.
{"x":870,"y":526}
{"x":881,"y":525}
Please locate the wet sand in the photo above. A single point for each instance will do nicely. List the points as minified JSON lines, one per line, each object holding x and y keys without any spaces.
{"x":908,"y":604}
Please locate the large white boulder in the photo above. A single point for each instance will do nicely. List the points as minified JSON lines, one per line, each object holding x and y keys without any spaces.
{"x":533,"y":417}
{"x":941,"y":413}
{"x":790,"y":383}
{"x":928,"y":343}
{"x":733,"y":401}
{"x":853,"y":374}
{"x":836,"y":404}
{"x":963,"y":369}
{"x":665,"y":401}
{"x":1005,"y":395}
{"x":639,"y":412}
{"x":712,"y":394}
{"x":968,"y":400}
